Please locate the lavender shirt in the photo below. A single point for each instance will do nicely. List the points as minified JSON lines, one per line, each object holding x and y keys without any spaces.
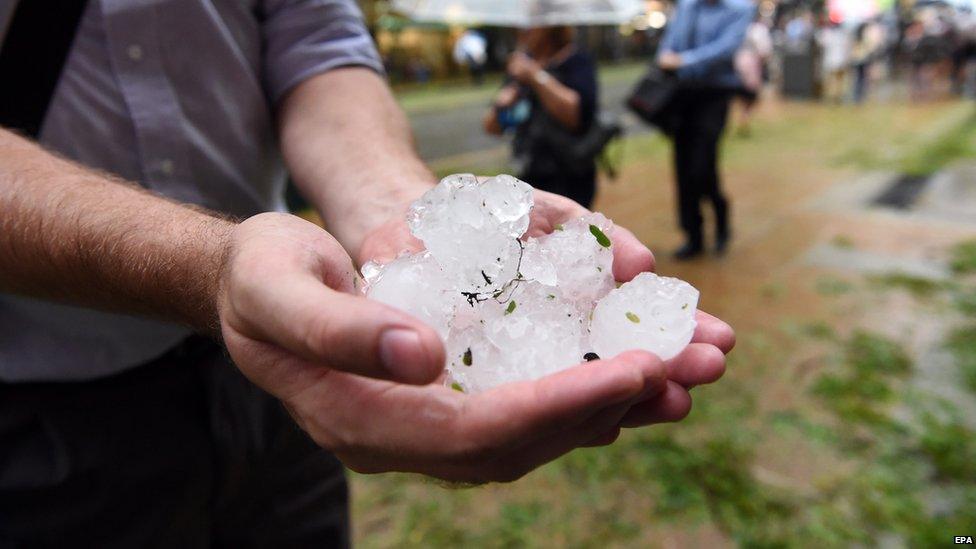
{"x":177,"y":95}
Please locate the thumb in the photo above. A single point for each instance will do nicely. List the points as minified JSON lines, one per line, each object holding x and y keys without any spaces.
{"x":346,"y":332}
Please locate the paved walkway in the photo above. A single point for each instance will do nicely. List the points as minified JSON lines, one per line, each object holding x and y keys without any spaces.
{"x":455,"y":131}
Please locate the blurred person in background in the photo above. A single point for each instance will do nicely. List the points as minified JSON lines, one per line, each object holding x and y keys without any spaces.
{"x":929,"y":45}
{"x":799,"y":29}
{"x":751,"y":63}
{"x":550,"y":87}
{"x":471,"y":51}
{"x":862,"y":55}
{"x":835,"y":45}
{"x":699,"y":46}
{"x":964,"y":50}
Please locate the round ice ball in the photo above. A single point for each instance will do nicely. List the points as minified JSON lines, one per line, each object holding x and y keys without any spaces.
{"x":416,"y":285}
{"x":651,"y":312}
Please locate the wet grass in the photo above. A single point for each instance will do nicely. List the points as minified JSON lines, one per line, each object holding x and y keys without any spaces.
{"x":917,"y":286}
{"x":918,"y":153}
{"x":962,"y":344}
{"x":959,"y":141}
{"x":832,"y":286}
{"x":962,"y":341}
{"x":843,"y":242}
{"x":964,"y":257}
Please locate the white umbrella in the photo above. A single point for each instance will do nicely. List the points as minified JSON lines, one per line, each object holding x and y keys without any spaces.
{"x":520,"y":13}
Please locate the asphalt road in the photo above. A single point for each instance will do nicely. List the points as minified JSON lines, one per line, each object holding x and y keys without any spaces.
{"x":457,"y":130}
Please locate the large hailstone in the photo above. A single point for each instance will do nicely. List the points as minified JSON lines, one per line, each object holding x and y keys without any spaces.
{"x":416,"y":285}
{"x":651,"y":312}
{"x":528,"y":335}
{"x":511,"y":310}
{"x":576,"y":259}
{"x":472,"y":227}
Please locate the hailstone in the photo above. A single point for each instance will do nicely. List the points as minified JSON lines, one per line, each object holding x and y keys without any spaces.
{"x":510,"y":307}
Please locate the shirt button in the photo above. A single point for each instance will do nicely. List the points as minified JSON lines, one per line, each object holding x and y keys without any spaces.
{"x":135,"y":52}
{"x":166,"y":166}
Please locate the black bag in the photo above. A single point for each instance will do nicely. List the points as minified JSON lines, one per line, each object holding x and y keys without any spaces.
{"x":653,"y":98}
{"x":575,"y":153}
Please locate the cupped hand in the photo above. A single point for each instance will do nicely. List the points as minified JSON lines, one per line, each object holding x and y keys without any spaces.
{"x":355,"y":374}
{"x":702,"y":362}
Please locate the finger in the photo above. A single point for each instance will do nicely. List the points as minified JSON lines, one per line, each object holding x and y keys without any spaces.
{"x":714,"y":331}
{"x":513,"y":414}
{"x":673,"y":405}
{"x":696,"y":364}
{"x":604,"y":439}
{"x":549,"y":210}
{"x":349,"y":333}
{"x":388,"y":243}
{"x":630,"y":257}
{"x":537,"y":453}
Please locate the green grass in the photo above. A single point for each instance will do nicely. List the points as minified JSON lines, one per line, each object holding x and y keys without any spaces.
{"x":917,"y":153}
{"x":962,"y":344}
{"x":964,"y":300}
{"x":959,"y":141}
{"x":915,"y":285}
{"x":964,"y":257}
{"x":832,"y":286}
{"x":843,"y":242}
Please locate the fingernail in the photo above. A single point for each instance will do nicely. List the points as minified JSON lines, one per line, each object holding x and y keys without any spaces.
{"x":404,"y":355}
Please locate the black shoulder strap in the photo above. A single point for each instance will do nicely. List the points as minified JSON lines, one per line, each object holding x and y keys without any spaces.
{"x":33,"y":54}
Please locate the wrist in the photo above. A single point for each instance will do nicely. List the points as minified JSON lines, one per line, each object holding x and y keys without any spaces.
{"x":541,"y":77}
{"x":374,"y":208}
{"x":221,"y":273}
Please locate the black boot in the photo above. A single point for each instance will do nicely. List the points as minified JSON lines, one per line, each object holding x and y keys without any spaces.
{"x":691,"y":249}
{"x":722,"y":232}
{"x":722,"y":238}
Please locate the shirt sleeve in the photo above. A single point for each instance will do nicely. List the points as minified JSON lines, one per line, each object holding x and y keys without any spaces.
{"x":667,"y":42}
{"x":722,"y":48}
{"x":303,"y":38}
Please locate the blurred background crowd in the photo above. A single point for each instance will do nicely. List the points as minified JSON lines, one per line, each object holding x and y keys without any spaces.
{"x":808,"y":48}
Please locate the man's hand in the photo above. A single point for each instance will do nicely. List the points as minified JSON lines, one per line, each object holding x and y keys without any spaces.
{"x":703,"y":361}
{"x":352,"y":371}
{"x":669,"y":61}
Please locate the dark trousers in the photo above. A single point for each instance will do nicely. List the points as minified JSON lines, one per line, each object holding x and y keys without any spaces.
{"x":700,"y":120}
{"x":182,"y":452}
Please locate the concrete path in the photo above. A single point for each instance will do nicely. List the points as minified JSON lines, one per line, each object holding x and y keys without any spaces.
{"x":456,"y":130}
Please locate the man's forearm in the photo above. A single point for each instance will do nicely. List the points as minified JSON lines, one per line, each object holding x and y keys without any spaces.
{"x":349,"y":148}
{"x":73,"y":235}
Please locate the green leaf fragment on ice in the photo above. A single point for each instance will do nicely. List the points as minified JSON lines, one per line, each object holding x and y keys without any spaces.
{"x":510,"y":308}
{"x":632,"y":317}
{"x":558,"y":226}
{"x":457,"y":387}
{"x":600,"y":237}
{"x":466,"y":359}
